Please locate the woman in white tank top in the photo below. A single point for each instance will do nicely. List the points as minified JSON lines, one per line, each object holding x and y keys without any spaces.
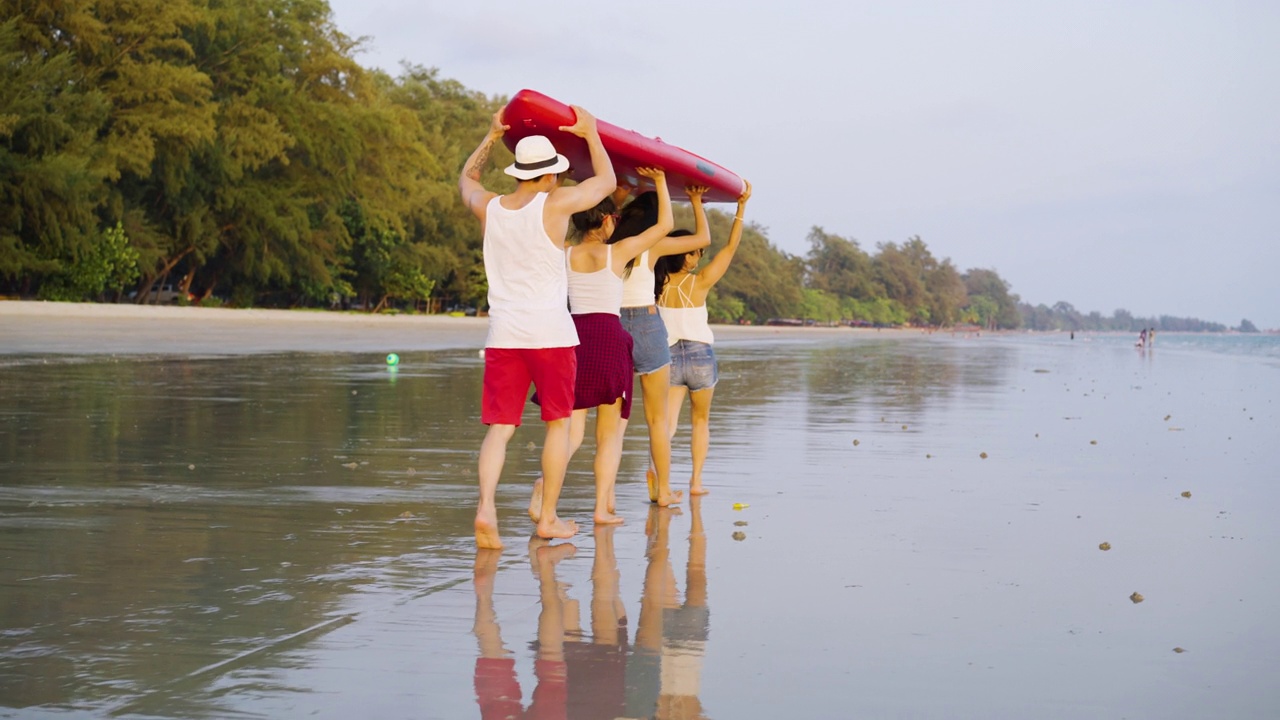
{"x":650,"y":352}
{"x":683,"y":304}
{"x":604,"y":376}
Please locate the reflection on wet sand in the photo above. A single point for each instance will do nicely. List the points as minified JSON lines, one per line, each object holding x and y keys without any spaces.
{"x":598,"y":676}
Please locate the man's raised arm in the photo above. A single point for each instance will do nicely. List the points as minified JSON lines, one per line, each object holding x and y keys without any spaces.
{"x":474,"y":195}
{"x":586,"y":194}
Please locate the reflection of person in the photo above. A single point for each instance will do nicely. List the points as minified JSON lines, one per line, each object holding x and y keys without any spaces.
{"x":664,"y":670}
{"x":497,"y":687}
{"x":531,"y":336}
{"x":604,"y":377}
{"x":597,"y":665}
{"x":683,"y":306}
{"x":685,"y":630}
{"x":640,"y":317}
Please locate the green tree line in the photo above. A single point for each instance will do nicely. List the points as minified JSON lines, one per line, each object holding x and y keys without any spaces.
{"x":1064,"y":316}
{"x":236,"y":151}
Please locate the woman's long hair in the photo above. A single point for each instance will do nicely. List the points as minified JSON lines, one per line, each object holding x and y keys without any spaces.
{"x":668,"y":265}
{"x":635,"y":217}
{"x":588,"y":220}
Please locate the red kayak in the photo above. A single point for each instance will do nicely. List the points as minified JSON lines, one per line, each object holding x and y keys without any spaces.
{"x":532,"y":113}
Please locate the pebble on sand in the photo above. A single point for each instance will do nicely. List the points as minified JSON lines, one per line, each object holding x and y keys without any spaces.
{"x":982,"y":455}
{"x":1093,"y":442}
{"x":856,"y":443}
{"x":1136,"y":598}
{"x":1186,"y":493}
{"x":1179,"y":650}
{"x":1104,"y":546}
{"x":739,"y":536}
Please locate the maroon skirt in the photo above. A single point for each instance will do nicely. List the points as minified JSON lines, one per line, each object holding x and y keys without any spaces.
{"x":604,"y":362}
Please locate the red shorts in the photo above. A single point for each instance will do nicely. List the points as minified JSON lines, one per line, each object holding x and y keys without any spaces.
{"x":508,"y":373}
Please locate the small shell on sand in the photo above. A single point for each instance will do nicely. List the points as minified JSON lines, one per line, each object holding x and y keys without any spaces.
{"x":1186,"y":493}
{"x":1136,"y":598}
{"x":1179,"y":650}
{"x":739,"y":536}
{"x":1105,"y":546}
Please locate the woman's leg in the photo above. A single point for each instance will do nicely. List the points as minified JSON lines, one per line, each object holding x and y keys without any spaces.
{"x":675,"y":401}
{"x":653,"y":388}
{"x":700,"y":409}
{"x":608,"y":456}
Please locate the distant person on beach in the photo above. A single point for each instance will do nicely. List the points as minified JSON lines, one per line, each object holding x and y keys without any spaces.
{"x":605,"y":379}
{"x":651,"y":352}
{"x":1142,"y":338}
{"x":531,"y":334}
{"x":683,"y":307}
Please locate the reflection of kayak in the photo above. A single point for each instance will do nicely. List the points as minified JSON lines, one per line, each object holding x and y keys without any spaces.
{"x":532,"y":113}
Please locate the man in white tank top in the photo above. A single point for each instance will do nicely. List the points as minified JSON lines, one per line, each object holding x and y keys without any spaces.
{"x":531,"y":334}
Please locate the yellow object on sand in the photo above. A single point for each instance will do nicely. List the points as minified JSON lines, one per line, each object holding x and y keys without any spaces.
{"x":739,"y":506}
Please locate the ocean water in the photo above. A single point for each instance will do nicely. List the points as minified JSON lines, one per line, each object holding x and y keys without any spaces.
{"x":899,"y":526}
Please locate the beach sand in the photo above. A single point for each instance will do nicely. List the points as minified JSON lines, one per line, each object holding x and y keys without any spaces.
{"x":126,"y":329}
{"x":900,"y":525}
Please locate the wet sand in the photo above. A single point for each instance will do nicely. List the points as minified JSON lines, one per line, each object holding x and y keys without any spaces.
{"x":899,"y":526}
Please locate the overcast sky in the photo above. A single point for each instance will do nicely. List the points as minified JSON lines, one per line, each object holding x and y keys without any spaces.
{"x":1110,"y":154}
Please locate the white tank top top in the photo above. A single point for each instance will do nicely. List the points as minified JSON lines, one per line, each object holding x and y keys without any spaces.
{"x":594,"y":292}
{"x":687,"y":321}
{"x":637,"y":288}
{"x":528,"y":286}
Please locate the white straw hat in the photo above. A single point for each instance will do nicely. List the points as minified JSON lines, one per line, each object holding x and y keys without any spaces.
{"x":535,"y":157}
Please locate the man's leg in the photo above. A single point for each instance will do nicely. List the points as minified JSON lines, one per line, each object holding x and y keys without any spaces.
{"x":577,"y":430}
{"x":493,"y":454}
{"x":554,"y":371}
{"x":555,"y":459}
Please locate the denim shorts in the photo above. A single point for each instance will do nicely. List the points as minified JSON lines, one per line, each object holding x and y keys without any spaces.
{"x":693,"y":365}
{"x":650,"y":351}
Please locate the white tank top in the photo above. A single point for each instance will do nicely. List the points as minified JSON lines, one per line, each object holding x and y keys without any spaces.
{"x":687,"y":321}
{"x":528,"y":286}
{"x":594,"y":292}
{"x":637,"y":288}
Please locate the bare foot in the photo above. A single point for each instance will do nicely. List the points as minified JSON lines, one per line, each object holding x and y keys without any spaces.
{"x":697,"y":489}
{"x":606,"y":518}
{"x":651,"y":479}
{"x":555,"y":528}
{"x":535,"y":501}
{"x":487,"y":537}
{"x":670,"y":498}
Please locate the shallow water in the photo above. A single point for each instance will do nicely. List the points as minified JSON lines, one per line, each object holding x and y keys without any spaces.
{"x":289,"y":535}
